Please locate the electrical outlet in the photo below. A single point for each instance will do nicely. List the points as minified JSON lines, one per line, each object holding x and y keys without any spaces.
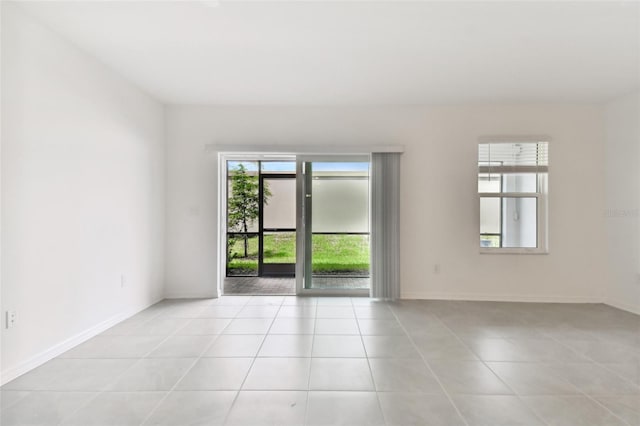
{"x":11,"y":318}
{"x":122,"y":281}
{"x":436,"y":268}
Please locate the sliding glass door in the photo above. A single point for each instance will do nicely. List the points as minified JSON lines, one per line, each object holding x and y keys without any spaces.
{"x":334,"y":228}
{"x":297,"y":226}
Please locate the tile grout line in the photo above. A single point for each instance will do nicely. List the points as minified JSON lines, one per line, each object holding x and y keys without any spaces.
{"x":313,"y":341}
{"x":119,"y":376}
{"x":167,"y":393}
{"x":444,"y":390}
{"x":253,"y":361}
{"x":518,"y":396}
{"x":375,"y":390}
{"x":544,"y":336}
{"x":590,"y":397}
{"x":168,"y":310}
{"x":3,"y":409}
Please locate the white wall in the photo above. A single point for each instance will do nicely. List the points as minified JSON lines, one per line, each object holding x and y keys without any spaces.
{"x":623,"y":201}
{"x":82,"y":194}
{"x":439,"y":186}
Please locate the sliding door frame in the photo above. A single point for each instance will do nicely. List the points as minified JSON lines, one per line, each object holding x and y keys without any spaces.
{"x":298,"y":153}
{"x":304,"y":235}
{"x":223,"y":172}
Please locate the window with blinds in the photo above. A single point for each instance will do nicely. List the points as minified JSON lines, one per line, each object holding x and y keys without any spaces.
{"x":512,"y":188}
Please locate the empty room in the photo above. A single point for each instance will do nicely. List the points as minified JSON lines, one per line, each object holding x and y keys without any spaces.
{"x":290,"y":213}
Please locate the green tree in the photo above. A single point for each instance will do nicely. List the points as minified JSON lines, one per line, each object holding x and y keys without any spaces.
{"x":244,"y":203}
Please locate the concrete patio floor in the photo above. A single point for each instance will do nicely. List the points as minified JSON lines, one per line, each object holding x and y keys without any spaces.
{"x":287,"y":285}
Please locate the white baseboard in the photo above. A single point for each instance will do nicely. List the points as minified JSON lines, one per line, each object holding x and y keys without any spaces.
{"x":190,"y":296}
{"x":475,"y":297}
{"x":58,"y":349}
{"x":624,"y":306}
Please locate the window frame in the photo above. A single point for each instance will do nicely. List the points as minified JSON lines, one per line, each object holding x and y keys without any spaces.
{"x":541,"y":196}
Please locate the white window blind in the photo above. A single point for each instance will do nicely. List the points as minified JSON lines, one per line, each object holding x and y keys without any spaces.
{"x":513,"y":157}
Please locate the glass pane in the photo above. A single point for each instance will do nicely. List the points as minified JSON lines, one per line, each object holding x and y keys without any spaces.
{"x":340,"y":203}
{"x":242,"y":255}
{"x":490,"y":215}
{"x":280,"y":207}
{"x":489,"y":183}
{"x":242,"y":196}
{"x":507,"y":182}
{"x":279,"y":166}
{"x":339,"y":225}
{"x":279,"y":247}
{"x":519,"y":182}
{"x":250,"y":166}
{"x":489,"y":240}
{"x":342,"y":168}
{"x":341,"y":254}
{"x":519,"y":221}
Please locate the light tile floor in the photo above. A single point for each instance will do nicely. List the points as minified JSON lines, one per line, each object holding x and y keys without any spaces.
{"x":275,"y":360}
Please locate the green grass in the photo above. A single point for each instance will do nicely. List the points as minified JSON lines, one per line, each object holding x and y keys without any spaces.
{"x":280,"y":247}
{"x":340,"y":254}
{"x":332,"y":254}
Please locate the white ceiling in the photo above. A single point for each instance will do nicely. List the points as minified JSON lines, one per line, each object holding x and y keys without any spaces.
{"x":395,"y":52}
